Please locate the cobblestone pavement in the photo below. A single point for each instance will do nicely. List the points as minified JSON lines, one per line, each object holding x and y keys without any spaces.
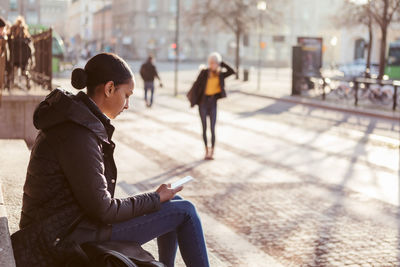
{"x":303,"y":187}
{"x":291,"y":185}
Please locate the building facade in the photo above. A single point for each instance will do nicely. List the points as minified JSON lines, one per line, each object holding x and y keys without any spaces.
{"x":29,"y":9}
{"x":53,"y":14}
{"x":79,"y":33}
{"x":134,"y":29}
{"x":102,"y":29}
{"x":148,"y":27}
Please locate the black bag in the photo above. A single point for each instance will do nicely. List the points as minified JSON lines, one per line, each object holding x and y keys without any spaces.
{"x":113,"y":254}
{"x":106,"y":253}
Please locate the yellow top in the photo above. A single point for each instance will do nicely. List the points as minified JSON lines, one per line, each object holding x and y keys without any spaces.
{"x":213,"y":87}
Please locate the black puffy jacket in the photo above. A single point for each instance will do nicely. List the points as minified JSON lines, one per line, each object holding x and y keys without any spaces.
{"x":148,"y":72}
{"x":70,"y":181}
{"x":196,"y":93}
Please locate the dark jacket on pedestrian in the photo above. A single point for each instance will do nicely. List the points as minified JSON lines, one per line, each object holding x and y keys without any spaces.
{"x":196,"y":93}
{"x":70,"y":181}
{"x":148,"y":72}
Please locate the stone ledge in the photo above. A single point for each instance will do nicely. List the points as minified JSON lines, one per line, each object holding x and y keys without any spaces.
{"x":16,"y":116}
{"x":22,"y":98}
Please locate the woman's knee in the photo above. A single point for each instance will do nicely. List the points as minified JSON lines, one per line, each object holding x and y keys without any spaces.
{"x":177,"y":197}
{"x":181,"y":205}
{"x":188,"y":208}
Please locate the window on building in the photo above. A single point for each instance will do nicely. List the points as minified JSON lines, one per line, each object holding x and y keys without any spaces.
{"x":172,"y":5}
{"x":246,"y":40}
{"x":32,"y":17}
{"x":153,"y":4}
{"x":359,"y":48}
{"x":13,"y":4}
{"x":188,"y":4}
{"x":32,"y":2}
{"x":152,"y":22}
{"x":171,"y":24}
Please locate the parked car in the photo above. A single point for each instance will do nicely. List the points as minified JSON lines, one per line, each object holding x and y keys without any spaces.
{"x":357,"y":68}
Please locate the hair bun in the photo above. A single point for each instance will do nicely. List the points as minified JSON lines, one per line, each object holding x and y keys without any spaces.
{"x":79,"y":78}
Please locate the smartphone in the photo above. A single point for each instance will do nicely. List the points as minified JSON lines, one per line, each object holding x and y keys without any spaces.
{"x":182,"y":181}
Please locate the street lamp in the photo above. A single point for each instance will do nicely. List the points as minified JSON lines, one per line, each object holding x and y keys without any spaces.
{"x":333,"y":42}
{"x":261,"y":6}
{"x":177,"y":47}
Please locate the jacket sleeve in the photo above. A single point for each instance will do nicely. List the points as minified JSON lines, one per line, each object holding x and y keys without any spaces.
{"x":156,"y":73}
{"x":142,"y":71}
{"x":194,"y":92}
{"x":229,"y":71}
{"x":81,"y":160}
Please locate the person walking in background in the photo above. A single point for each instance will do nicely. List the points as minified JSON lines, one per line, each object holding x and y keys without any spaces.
{"x":71,"y":178}
{"x":3,"y":52}
{"x":20,"y":48}
{"x":206,"y":90}
{"x":149,"y":72}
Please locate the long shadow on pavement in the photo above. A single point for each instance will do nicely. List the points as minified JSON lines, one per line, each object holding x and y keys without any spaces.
{"x":275,"y":108}
{"x":325,"y":232}
{"x":160,"y":178}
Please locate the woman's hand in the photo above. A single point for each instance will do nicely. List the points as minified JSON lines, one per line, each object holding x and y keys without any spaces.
{"x":166,"y":193}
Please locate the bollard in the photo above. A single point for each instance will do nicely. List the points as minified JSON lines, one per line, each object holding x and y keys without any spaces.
{"x":323,"y":88}
{"x":245,"y":75}
{"x":395,"y":97}
{"x":355,"y":92}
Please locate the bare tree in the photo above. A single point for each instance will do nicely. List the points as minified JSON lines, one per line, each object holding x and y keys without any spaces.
{"x":383,"y":12}
{"x":238,"y":16}
{"x":352,"y":15}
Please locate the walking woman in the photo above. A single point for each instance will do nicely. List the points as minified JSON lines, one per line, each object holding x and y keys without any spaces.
{"x":72,"y":173}
{"x":206,"y":90}
{"x":3,"y":53}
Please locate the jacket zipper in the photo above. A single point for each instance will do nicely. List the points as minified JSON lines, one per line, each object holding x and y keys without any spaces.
{"x":69,"y":230}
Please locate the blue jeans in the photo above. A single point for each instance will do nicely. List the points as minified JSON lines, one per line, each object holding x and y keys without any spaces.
{"x":177,"y":222}
{"x":148,"y":86}
{"x":208,"y":107}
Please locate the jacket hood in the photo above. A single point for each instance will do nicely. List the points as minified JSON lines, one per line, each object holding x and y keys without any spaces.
{"x":61,"y":106}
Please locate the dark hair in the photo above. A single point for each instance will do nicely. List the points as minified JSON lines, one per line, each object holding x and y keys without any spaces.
{"x":101,"y":69}
{"x":2,"y":23}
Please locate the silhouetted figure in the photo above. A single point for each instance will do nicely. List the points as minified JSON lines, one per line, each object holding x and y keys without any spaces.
{"x":149,"y":72}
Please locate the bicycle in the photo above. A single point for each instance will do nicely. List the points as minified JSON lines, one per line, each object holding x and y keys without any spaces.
{"x":381,"y":95}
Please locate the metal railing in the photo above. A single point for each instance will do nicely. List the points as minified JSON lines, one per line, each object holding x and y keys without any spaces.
{"x":359,"y":88}
{"x":30,"y":58}
{"x":41,"y":72}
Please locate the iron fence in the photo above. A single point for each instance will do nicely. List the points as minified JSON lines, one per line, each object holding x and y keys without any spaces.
{"x":376,"y":91}
{"x":41,"y":72}
{"x":30,"y":58}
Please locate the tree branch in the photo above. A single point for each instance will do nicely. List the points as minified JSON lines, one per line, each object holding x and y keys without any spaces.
{"x":394,"y":10}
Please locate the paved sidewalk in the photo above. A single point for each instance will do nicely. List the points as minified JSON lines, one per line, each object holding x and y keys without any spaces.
{"x":294,"y":184}
{"x":14,"y":157}
{"x":274,"y":84}
{"x":313,"y":193}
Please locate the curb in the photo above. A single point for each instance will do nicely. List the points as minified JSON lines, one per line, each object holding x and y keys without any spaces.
{"x":6,"y":251}
{"x":302,"y":101}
